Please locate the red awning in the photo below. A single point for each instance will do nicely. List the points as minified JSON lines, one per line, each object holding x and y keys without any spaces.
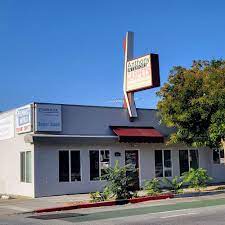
{"x":138,"y":134}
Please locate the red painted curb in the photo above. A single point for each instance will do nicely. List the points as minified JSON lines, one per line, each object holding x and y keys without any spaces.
{"x":78,"y":206}
{"x":107,"y":203}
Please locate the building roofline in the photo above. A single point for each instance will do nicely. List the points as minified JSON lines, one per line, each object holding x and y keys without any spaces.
{"x":78,"y":105}
{"x":93,"y":106}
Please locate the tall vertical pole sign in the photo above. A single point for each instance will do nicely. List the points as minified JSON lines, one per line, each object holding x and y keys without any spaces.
{"x":139,"y":74}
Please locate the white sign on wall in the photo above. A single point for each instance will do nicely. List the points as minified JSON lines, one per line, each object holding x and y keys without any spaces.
{"x":6,"y":127}
{"x":24,"y":119}
{"x":48,"y":117}
{"x":139,"y":74}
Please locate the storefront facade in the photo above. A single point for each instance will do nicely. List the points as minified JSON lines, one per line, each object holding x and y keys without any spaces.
{"x":50,"y":149}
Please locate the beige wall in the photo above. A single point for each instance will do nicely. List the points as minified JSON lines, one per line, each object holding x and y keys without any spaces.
{"x":10,"y":165}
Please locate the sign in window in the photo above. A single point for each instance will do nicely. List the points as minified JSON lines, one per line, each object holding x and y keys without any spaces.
{"x":99,"y":162}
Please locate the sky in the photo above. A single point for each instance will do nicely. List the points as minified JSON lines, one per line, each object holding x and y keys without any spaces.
{"x":70,"y":51}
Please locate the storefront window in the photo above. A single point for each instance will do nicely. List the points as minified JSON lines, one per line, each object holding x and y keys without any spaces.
{"x":69,"y":166}
{"x":188,"y":159}
{"x":75,"y":166}
{"x":99,"y":162}
{"x":163,"y":163}
{"x":193,"y":159}
{"x":25,"y":167}
{"x":218,"y":156}
{"x":104,"y":161}
{"x":63,"y":166}
{"x":22,"y":167}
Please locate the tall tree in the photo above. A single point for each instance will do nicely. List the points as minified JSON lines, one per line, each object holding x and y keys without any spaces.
{"x":193,"y":101}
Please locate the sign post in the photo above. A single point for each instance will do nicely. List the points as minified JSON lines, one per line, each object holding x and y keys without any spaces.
{"x":139,"y":74}
{"x":128,"y":55}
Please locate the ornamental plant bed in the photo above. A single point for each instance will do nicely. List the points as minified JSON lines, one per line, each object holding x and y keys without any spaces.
{"x":81,"y":205}
{"x":150,"y":198}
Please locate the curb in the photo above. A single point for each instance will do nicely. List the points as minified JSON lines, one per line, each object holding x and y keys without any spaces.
{"x":107,"y":203}
{"x":198,"y":194}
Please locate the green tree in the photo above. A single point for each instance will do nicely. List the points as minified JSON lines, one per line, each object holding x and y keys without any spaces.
{"x":193,"y":102}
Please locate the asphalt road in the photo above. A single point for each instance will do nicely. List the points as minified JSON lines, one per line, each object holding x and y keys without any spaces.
{"x":203,"y":212}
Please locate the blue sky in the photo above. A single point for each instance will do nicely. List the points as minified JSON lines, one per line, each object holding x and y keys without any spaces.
{"x":71,"y":51}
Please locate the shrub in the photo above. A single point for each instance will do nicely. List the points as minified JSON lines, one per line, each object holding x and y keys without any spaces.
{"x":119,"y":182}
{"x":175,"y":184}
{"x":100,"y":196}
{"x":196,"y":179}
{"x":152,"y":186}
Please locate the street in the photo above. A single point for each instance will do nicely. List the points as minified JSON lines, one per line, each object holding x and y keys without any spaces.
{"x":197,"y":212}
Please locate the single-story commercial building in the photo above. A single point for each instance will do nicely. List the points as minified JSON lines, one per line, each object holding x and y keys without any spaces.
{"x":54,"y":149}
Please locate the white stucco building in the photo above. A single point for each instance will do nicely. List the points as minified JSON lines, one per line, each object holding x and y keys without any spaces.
{"x":49,"y":149}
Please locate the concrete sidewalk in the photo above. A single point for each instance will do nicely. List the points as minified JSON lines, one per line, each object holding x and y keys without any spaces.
{"x":20,"y":204}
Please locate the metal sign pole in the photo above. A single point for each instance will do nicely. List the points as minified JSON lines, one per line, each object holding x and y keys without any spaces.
{"x":128,"y":55}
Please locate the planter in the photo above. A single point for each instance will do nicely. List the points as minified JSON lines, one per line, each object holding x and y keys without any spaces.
{"x":197,"y":194}
{"x":150,"y":198}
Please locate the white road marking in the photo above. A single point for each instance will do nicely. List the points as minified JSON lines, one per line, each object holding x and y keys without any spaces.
{"x":177,"y":215}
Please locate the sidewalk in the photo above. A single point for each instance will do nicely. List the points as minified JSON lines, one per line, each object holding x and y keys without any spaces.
{"x":21,"y":205}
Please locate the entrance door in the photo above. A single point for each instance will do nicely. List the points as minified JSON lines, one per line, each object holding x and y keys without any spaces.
{"x":131,"y":157}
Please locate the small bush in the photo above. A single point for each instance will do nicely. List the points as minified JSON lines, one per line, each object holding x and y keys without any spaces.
{"x":152,"y":186}
{"x":175,"y":184}
{"x":196,"y":179}
{"x":119,"y":182}
{"x":100,"y":196}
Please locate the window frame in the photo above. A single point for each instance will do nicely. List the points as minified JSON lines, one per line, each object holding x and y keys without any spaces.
{"x":163,"y":163}
{"x":220,"y":150}
{"x":189,"y":161}
{"x":25,"y":167}
{"x":70,"y":150}
{"x":99,"y":162}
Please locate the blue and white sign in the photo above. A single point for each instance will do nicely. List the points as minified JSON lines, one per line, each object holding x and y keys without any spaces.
{"x":48,"y":117}
{"x":24,"y":119}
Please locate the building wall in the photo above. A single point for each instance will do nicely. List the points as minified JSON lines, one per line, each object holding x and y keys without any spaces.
{"x":10,"y":164}
{"x":93,"y":120}
{"x":46,"y":165}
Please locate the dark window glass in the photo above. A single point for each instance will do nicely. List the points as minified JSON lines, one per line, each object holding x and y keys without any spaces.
{"x":75,"y":166}
{"x":22,"y":166}
{"x":167,"y":163}
{"x":216,"y":156}
{"x":94,"y":165}
{"x":167,"y":158}
{"x":168,"y":173}
{"x":158,"y":163}
{"x":194,"y":159}
{"x":221,"y":153}
{"x":184,"y":162}
{"x":63,"y":166}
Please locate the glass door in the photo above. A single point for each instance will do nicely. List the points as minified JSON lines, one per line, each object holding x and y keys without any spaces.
{"x":131,"y":158}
